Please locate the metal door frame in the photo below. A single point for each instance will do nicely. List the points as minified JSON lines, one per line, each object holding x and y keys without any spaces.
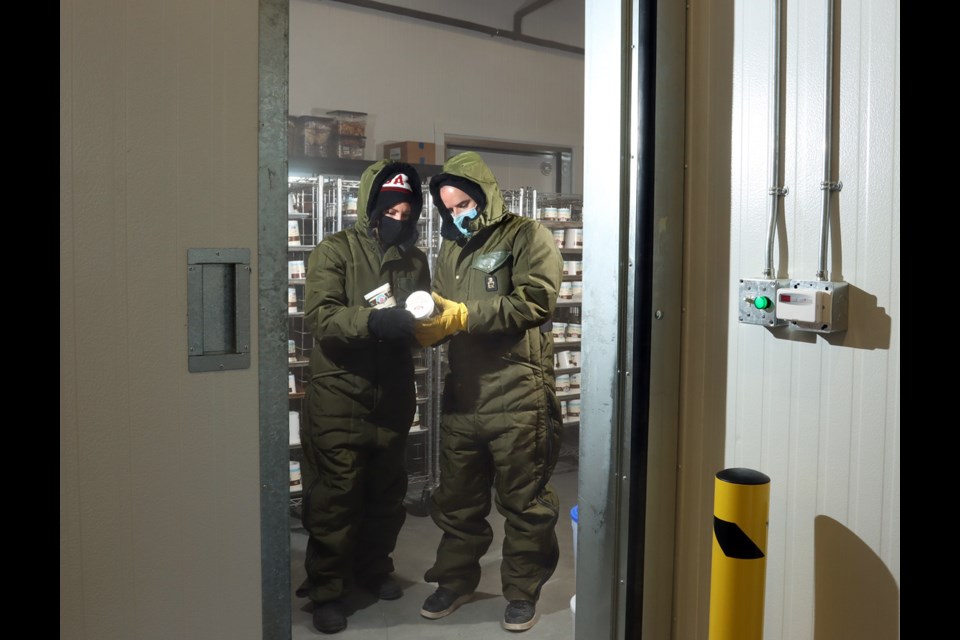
{"x":627,"y":481}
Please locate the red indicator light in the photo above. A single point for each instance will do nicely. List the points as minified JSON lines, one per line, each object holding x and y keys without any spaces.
{"x":785,"y":297}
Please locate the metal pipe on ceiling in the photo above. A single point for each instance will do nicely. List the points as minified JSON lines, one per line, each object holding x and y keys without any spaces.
{"x":524,"y":11}
{"x":464,"y":24}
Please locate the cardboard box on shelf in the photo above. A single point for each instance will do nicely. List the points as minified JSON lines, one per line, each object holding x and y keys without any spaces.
{"x":411,"y":151}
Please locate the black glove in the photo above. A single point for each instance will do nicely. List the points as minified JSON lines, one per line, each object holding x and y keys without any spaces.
{"x":391,"y":324}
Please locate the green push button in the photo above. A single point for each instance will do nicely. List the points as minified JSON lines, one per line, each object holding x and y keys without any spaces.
{"x":762,"y":302}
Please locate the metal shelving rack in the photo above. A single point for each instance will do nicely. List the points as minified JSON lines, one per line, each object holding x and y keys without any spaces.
{"x":304,"y":232}
{"x":562,"y":213}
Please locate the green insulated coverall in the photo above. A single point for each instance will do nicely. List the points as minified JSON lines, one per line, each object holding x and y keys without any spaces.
{"x":359,"y":404}
{"x":501,"y":417}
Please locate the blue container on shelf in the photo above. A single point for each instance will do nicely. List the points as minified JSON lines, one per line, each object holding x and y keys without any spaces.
{"x":574,"y":517}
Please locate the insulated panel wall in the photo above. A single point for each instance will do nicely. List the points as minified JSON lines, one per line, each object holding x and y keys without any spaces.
{"x":819,"y":414}
{"x":159,"y":467}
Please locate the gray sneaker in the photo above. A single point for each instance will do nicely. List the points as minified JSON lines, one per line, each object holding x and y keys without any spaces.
{"x":329,"y":617}
{"x":520,"y":615}
{"x":443,"y":602}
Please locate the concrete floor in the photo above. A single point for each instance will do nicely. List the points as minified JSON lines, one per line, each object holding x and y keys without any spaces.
{"x":479,"y":619}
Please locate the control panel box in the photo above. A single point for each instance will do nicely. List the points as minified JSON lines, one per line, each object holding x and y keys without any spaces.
{"x":758,"y":301}
{"x":814,"y":305}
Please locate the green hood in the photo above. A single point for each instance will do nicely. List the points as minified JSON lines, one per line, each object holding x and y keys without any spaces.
{"x":471,"y":166}
{"x":363,"y":197}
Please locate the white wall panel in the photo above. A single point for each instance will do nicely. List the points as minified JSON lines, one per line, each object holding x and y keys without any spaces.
{"x":819,"y":414}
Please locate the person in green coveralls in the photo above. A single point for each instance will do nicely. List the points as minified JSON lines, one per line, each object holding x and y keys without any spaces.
{"x":361,"y":399}
{"x":496,"y":281}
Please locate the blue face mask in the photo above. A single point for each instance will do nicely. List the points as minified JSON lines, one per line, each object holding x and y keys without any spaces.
{"x":463,"y":218}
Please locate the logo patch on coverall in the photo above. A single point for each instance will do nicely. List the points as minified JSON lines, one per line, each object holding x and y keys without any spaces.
{"x":488,"y":263}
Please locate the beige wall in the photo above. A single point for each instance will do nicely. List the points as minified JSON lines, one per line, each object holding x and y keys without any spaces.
{"x":819,"y":415}
{"x":159,"y":507}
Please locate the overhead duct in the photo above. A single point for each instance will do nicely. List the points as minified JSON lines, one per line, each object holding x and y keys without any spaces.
{"x":514,"y":35}
{"x":525,"y":11}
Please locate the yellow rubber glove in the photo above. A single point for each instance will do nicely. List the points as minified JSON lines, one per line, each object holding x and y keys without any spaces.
{"x":450,"y":318}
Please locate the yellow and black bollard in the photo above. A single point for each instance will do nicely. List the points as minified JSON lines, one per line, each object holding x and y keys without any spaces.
{"x":741,"y":504}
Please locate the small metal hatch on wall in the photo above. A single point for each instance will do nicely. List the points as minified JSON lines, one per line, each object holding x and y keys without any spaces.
{"x":218,"y":309}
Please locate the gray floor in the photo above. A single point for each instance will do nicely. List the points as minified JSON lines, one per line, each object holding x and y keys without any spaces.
{"x":477,"y":620}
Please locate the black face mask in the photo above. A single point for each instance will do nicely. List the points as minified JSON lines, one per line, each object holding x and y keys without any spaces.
{"x":391,"y":231}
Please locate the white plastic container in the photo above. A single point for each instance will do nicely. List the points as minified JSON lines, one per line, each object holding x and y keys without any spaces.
{"x":420,"y":304}
{"x":576,"y":289}
{"x":559,"y":331}
{"x":296,"y":270}
{"x":295,"y":478}
{"x":558,"y":238}
{"x":294,"y":428}
{"x":381,"y":297}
